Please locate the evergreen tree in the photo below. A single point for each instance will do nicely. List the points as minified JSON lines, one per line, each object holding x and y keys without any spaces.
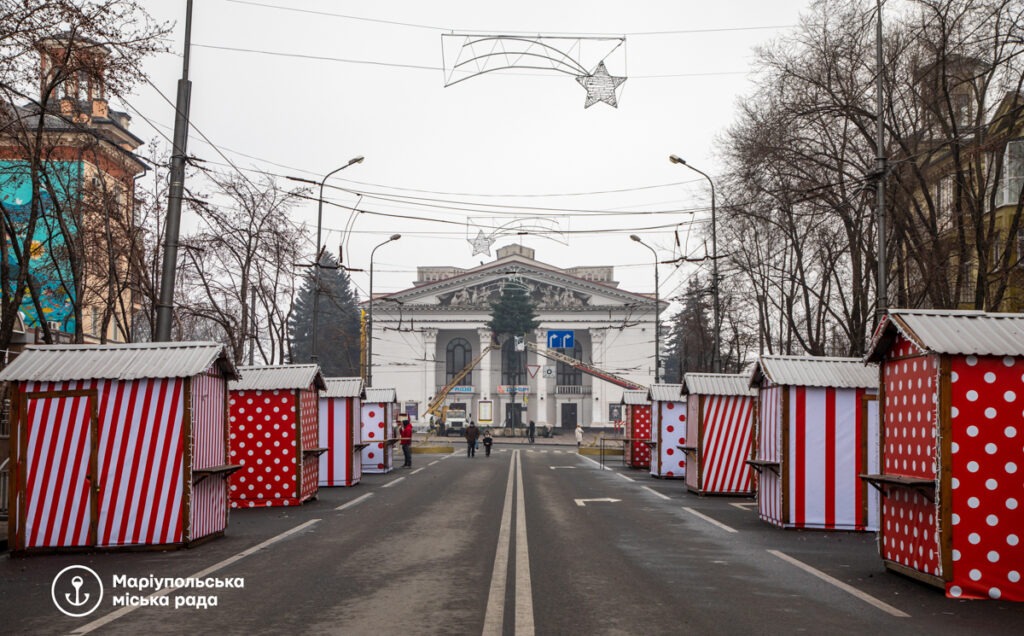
{"x":691,"y":342}
{"x":338,"y":332}
{"x":513,"y":312}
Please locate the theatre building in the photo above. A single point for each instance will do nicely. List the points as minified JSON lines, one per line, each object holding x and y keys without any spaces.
{"x":424,"y":335}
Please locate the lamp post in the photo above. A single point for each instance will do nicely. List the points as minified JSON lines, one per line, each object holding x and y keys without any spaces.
{"x":657,"y":308}
{"x":314,"y":347}
{"x":716,"y":360}
{"x":369,"y":316}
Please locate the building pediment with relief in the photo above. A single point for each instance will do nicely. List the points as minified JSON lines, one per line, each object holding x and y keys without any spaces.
{"x":550,"y":288}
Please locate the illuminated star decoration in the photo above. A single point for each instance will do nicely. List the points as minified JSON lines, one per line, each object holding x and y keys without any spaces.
{"x":482,"y":243}
{"x":600,"y":86}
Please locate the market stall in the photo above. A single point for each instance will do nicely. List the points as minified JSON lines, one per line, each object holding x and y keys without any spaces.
{"x":719,"y":433}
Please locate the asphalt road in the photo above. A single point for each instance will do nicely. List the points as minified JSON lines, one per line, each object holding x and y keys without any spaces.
{"x":477,"y":546}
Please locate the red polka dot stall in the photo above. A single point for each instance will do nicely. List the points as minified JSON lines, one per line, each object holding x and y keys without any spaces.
{"x":118,"y":445}
{"x":379,"y":414}
{"x":720,"y":432}
{"x":668,"y":431}
{"x":952,"y":449}
{"x":275,"y":435}
{"x":817,"y":431}
{"x":340,"y":432}
{"x":636,"y":411}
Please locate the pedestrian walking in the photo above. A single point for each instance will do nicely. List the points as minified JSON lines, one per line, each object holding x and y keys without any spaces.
{"x":406,"y":434}
{"x":533,"y":431}
{"x":472,"y":434}
{"x":488,"y":442}
{"x":579,"y":436}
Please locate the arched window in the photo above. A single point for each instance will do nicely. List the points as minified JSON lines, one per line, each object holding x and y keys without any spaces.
{"x":457,"y":356}
{"x":569,"y":375}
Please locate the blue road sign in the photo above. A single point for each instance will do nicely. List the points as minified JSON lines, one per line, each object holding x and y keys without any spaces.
{"x":561,"y":339}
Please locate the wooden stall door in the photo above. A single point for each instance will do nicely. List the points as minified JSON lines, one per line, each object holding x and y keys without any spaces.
{"x":58,"y":451}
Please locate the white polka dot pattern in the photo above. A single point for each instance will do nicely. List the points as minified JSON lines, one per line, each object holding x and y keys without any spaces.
{"x":638,"y":426}
{"x":375,"y":423}
{"x":670,"y":434}
{"x":987,"y":482}
{"x":310,"y":439}
{"x":264,"y":441}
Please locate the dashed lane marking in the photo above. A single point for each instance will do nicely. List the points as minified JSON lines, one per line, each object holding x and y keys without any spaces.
{"x":649,"y":489}
{"x":392,"y":483}
{"x":595,"y":463}
{"x":416,"y":471}
{"x":433,"y":462}
{"x":744,"y":506}
{"x":116,"y":614}
{"x":713,"y":522}
{"x":867,"y":598}
{"x":625,"y":476}
{"x":355,"y":501}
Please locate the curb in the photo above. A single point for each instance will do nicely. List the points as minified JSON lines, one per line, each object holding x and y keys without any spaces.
{"x":597,"y":451}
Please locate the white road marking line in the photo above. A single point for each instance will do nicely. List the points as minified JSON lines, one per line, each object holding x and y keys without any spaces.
{"x":524,"y":590}
{"x":557,"y":452}
{"x":116,"y":614}
{"x":494,"y":616}
{"x":434,"y":462}
{"x":625,"y":476}
{"x":744,"y":506}
{"x":392,"y":483}
{"x":867,"y":598}
{"x":713,"y":522}
{"x":558,"y":467}
{"x":355,"y":501}
{"x":582,"y":503}
{"x":416,"y":471}
{"x":594,"y":462}
{"x":663,"y":496}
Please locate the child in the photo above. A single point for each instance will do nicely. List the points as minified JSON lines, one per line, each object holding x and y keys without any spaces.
{"x":488,"y":440}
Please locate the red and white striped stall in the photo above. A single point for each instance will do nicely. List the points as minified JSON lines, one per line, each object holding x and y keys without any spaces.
{"x":380,"y":412}
{"x":817,"y":431}
{"x":118,"y":445}
{"x":340,"y":432}
{"x":719,"y":433}
{"x":275,"y":435}
{"x":668,"y":430}
{"x":952,"y":455}
{"x":636,"y":411}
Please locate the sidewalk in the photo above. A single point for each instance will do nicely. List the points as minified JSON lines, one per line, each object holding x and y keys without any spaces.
{"x":590,"y":438}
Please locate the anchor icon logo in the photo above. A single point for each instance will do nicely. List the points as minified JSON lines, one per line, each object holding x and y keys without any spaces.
{"x":73,"y":588}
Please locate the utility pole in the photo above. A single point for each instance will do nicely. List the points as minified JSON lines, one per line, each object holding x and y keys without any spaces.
{"x":880,"y":167}
{"x":165,"y":304}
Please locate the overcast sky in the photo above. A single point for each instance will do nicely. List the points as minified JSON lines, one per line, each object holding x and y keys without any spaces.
{"x":509,"y":132}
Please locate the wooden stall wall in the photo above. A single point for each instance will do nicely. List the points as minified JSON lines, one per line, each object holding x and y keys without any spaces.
{"x":769,"y":445}
{"x":208,"y":510}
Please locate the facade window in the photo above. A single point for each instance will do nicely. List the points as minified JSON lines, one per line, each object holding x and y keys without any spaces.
{"x":966,"y":282}
{"x":94,"y":315}
{"x":458,"y":354}
{"x":568,"y":375}
{"x":512,"y":371}
{"x":1013,"y":174}
{"x":943,"y":198}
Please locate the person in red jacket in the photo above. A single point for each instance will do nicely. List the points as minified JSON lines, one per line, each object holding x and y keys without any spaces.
{"x":405,"y":432}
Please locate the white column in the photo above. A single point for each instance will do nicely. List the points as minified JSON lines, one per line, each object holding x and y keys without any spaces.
{"x":429,"y":365}
{"x":484,"y":383}
{"x":599,"y":414}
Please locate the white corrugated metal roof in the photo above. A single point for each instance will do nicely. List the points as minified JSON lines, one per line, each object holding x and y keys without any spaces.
{"x":954,"y":332}
{"x":630,"y":396}
{"x":342,"y":388}
{"x":381,"y":395}
{"x":60,"y":363}
{"x":665,"y":392}
{"x":841,"y":373}
{"x":278,"y":377}
{"x":717,"y":384}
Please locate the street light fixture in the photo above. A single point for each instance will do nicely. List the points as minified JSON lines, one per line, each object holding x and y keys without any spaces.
{"x":369,"y":316}
{"x":657,"y":308}
{"x":716,"y":360}
{"x":314,"y":347}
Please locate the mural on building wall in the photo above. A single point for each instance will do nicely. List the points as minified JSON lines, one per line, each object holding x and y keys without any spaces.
{"x":48,"y":262}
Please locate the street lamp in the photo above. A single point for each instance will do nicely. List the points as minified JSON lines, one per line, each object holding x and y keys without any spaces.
{"x":657,"y":308}
{"x":716,"y":360}
{"x":369,"y":317}
{"x":313,"y":351}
